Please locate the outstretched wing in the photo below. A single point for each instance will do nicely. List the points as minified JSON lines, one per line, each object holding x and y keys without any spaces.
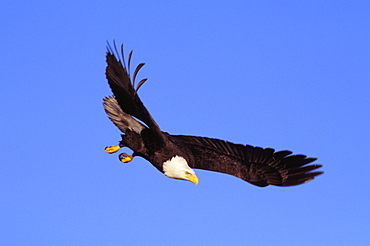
{"x":258,"y":166}
{"x":125,"y":94}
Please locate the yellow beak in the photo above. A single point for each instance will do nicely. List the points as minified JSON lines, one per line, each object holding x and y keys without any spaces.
{"x":193,"y":178}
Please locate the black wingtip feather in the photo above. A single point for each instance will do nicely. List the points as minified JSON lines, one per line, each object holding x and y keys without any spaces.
{"x":280,"y":168}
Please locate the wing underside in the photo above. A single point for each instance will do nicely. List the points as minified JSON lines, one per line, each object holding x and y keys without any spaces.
{"x":122,"y":120}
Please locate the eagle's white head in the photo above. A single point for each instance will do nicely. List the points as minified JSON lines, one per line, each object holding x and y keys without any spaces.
{"x":177,"y":167}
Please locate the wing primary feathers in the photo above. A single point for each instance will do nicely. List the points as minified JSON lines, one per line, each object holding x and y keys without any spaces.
{"x":291,"y":161}
{"x":303,"y":170}
{"x":282,"y":154}
{"x":122,"y":56}
{"x":115,"y":48}
{"x":129,"y":63}
{"x":122,"y":59}
{"x":109,"y":48}
{"x":140,"y":84}
{"x":137,"y":69}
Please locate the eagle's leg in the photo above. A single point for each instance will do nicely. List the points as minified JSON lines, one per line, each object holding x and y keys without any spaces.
{"x":112,"y":149}
{"x":125,"y":158}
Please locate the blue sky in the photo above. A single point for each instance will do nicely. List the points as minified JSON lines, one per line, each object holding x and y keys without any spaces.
{"x":283,"y":74}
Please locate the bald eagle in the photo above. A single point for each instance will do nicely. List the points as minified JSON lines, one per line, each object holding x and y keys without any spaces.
{"x":177,"y":155}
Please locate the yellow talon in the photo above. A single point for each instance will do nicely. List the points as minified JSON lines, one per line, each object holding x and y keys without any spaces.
{"x":112,"y":149}
{"x":126,"y":158}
